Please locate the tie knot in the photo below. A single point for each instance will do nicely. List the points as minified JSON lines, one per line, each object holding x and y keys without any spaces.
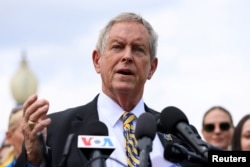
{"x":128,"y":117}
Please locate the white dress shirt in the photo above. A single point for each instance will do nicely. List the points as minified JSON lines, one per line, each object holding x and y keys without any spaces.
{"x":110,"y":113}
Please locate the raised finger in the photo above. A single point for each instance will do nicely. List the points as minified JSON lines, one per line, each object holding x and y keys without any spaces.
{"x":28,"y":102}
{"x":39,"y":127}
{"x":37,"y":107}
{"x":40,"y":113}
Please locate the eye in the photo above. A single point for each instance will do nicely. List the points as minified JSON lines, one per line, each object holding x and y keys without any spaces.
{"x":116,"y":47}
{"x":247,"y":136}
{"x":138,"y":49}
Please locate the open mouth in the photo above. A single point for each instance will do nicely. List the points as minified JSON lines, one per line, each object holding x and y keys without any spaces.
{"x":125,"y":72}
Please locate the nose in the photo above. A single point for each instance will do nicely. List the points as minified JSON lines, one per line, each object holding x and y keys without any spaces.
{"x":217,"y":129}
{"x":127,"y":56}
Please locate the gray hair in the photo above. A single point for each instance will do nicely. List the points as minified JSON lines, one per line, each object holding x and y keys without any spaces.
{"x":104,"y":34}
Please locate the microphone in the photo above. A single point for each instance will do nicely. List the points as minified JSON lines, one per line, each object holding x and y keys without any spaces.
{"x":94,"y":142}
{"x":145,"y":133}
{"x":66,"y":150}
{"x":177,"y":153}
{"x":195,"y":131}
{"x":174,"y":121}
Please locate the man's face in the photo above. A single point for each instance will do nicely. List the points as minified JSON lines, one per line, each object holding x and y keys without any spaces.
{"x":125,"y":64}
{"x":218,"y":129}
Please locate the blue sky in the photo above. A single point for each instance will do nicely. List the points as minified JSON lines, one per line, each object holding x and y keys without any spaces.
{"x":203,"y":52}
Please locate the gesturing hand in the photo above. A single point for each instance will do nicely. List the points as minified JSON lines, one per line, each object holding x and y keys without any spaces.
{"x":35,"y":111}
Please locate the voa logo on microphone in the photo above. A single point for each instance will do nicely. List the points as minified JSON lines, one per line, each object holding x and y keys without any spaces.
{"x":95,"y":142}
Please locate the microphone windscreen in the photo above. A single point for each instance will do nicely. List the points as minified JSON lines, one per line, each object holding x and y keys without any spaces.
{"x":146,"y":126}
{"x":170,"y":117}
{"x":96,"y":128}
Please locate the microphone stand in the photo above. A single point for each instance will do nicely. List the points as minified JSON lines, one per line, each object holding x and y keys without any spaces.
{"x":100,"y":162}
{"x":145,"y":147}
{"x":66,"y":151}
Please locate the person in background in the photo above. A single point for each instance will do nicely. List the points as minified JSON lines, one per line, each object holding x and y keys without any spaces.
{"x":6,"y":153}
{"x":218,"y":127}
{"x":14,"y":133}
{"x":241,"y":135}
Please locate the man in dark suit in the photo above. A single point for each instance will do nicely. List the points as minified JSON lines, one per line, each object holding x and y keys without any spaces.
{"x":125,"y":58}
{"x":66,"y":120}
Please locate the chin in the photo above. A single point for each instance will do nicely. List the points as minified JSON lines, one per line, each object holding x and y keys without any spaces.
{"x":124,"y":89}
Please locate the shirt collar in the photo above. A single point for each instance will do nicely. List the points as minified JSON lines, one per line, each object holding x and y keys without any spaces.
{"x":112,"y":112}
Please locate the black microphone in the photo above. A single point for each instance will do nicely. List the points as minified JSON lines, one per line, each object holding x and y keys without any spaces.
{"x":174,"y":121}
{"x":94,"y":142}
{"x":145,"y":133}
{"x":177,"y":153}
{"x":66,"y":150}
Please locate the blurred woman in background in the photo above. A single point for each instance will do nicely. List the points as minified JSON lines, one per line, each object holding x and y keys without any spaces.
{"x":14,"y":133}
{"x":218,"y":127}
{"x":241,"y":136}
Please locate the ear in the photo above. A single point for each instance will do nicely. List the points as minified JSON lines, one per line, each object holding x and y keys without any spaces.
{"x":8,"y":135}
{"x":96,"y":60}
{"x":154,"y":64}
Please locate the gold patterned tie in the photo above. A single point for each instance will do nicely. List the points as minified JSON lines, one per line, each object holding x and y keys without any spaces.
{"x":130,"y":140}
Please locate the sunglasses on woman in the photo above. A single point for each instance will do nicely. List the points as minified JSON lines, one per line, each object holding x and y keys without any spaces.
{"x":224,"y":126}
